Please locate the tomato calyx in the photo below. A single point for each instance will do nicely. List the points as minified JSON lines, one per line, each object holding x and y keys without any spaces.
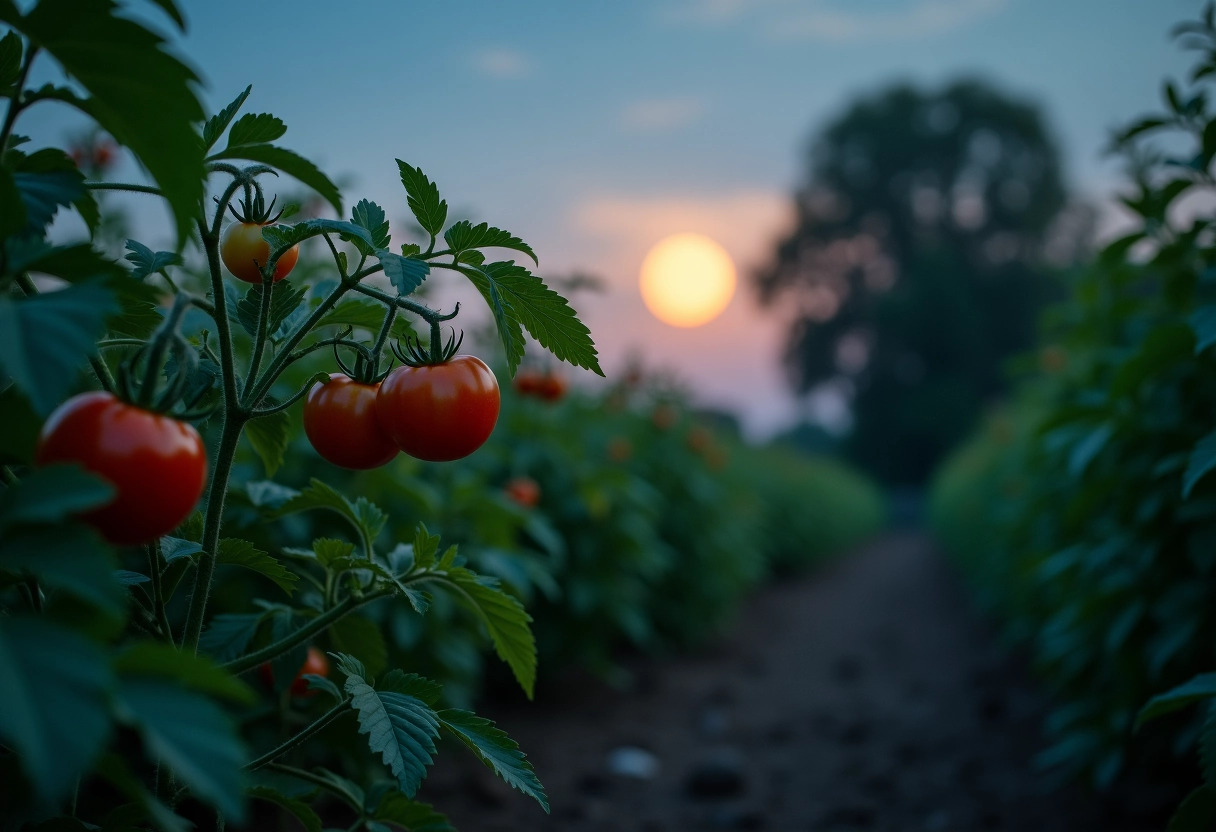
{"x":413,"y":354}
{"x":254,"y":210}
{"x":168,"y":353}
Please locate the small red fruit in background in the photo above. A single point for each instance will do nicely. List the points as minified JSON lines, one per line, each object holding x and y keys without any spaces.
{"x":523,"y":490}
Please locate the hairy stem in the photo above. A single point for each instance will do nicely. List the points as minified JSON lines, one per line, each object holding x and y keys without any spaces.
{"x":158,"y":592}
{"x":15,"y":104}
{"x":259,"y":343}
{"x":302,"y":737}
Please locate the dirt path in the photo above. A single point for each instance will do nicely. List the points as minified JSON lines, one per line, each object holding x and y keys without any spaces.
{"x":865,"y":698}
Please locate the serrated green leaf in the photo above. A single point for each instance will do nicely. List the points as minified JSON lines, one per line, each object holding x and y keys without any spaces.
{"x":331,"y":552}
{"x":66,"y":557}
{"x":45,"y":191}
{"x":545,"y":314}
{"x":147,"y":261}
{"x":53,"y":695}
{"x":128,"y":74}
{"x":192,"y":736}
{"x":46,"y":339}
{"x":422,"y":195}
{"x":314,"y":682}
{"x":1197,"y":689}
{"x":163,"y":661}
{"x":235,"y":552}
{"x":411,"y":684}
{"x":285,"y":236}
{"x":360,"y":637}
{"x":269,"y":437}
{"x":218,"y":123}
{"x":52,"y":495}
{"x":300,"y":810}
{"x":364,"y":314}
{"x":1202,"y":460}
{"x":505,"y":619}
{"x":284,"y":299}
{"x":13,"y":216}
{"x":405,"y":273}
{"x":497,"y":750}
{"x":463,"y":236}
{"x":362,"y":514}
{"x":399,"y":727}
{"x":256,"y":128}
{"x":507,"y":324}
{"x":412,"y":815}
{"x":369,"y":215}
{"x":172,"y":548}
{"x":425,"y":547}
{"x":289,"y":163}
{"x":1196,"y":813}
{"x":11,"y":53}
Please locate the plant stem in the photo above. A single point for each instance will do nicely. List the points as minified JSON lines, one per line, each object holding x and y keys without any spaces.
{"x":15,"y":104}
{"x":123,"y":186}
{"x":281,"y":359}
{"x":259,"y":343}
{"x":303,"y":634}
{"x":158,"y":593}
{"x":316,"y":780}
{"x":233,"y":425}
{"x":302,"y":737}
{"x":425,"y":312}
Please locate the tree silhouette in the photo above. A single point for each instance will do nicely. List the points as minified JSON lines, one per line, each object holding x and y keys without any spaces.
{"x":918,"y":263}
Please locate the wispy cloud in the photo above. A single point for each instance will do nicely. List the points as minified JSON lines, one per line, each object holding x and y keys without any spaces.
{"x":661,"y":115}
{"x":835,"y":20}
{"x":507,"y":64}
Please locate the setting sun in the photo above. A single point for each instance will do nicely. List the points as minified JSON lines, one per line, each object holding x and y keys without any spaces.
{"x":687,"y":280}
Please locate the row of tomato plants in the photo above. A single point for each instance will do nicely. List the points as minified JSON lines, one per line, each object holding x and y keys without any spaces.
{"x":1083,"y":512}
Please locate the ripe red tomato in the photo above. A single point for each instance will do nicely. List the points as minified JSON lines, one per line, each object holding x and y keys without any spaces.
{"x":552,"y":387}
{"x":523,"y":490}
{"x":439,"y":412}
{"x":244,"y":252}
{"x":340,"y":421}
{"x":317,"y":664}
{"x":528,"y":382}
{"x":157,"y":465}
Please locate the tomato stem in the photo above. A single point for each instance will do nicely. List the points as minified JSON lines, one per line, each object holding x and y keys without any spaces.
{"x":303,"y":634}
{"x":259,"y":343}
{"x":302,"y":737}
{"x":16,"y":103}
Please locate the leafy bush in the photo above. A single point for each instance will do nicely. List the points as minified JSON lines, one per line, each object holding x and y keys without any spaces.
{"x":1084,"y":513}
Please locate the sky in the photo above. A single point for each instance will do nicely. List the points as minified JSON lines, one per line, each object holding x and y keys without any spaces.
{"x":594,"y":129}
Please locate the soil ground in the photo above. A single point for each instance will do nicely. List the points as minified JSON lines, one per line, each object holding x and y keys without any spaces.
{"x":866,"y":697}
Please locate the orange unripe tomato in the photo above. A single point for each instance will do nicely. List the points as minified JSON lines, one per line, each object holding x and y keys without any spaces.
{"x":244,"y":252}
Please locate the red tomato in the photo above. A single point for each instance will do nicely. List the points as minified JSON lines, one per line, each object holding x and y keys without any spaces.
{"x":157,"y":465}
{"x":317,"y":664}
{"x":552,"y":387}
{"x":528,"y":382}
{"x":340,"y":421}
{"x":620,"y":449}
{"x":439,"y":412}
{"x":244,"y":252}
{"x":523,"y":490}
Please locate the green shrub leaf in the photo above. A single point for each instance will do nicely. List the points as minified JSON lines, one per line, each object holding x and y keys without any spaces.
{"x":401,"y":728}
{"x":235,"y":552}
{"x":423,"y":197}
{"x":1197,"y":689}
{"x":497,"y":750}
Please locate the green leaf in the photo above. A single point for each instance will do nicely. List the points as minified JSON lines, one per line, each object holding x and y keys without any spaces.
{"x":13,"y":216}
{"x":289,"y":163}
{"x":425,"y":547}
{"x":163,"y":661}
{"x":361,"y":638}
{"x":505,"y":619}
{"x":46,"y":182}
{"x":1197,"y":689}
{"x":497,"y":750}
{"x":1196,"y":813}
{"x":128,"y":74}
{"x":256,"y":128}
{"x":420,"y":687}
{"x":1203,"y":323}
{"x":369,"y":215}
{"x":412,"y":815}
{"x":235,"y":552}
{"x":1207,"y":748}
{"x":218,"y":123}
{"x":113,"y":768}
{"x":463,"y":236}
{"x":333,"y":554}
{"x":11,"y":53}
{"x":148,"y":262}
{"x":67,"y":557}
{"x":284,"y":299}
{"x":45,"y":339}
{"x":363,"y":515}
{"x":22,"y":425}
{"x":363,"y":314}
{"x":53,"y":695}
{"x":172,"y":548}
{"x":546,"y":315}
{"x":269,"y":437}
{"x":423,"y":197}
{"x":190,"y":734}
{"x":399,"y":727}
{"x":300,"y":810}
{"x":229,"y":634}
{"x":405,"y":273}
{"x":52,"y":495}
{"x":286,"y":236}
{"x":1201,"y":462}
{"x":508,"y":325}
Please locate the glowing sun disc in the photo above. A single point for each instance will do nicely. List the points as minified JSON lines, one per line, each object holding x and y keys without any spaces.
{"x":687,"y":280}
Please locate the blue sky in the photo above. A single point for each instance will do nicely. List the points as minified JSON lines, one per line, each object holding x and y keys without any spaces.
{"x":594,"y":128}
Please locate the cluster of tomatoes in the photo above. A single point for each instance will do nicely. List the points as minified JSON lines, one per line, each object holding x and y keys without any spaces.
{"x":157,"y":465}
{"x":546,"y":385}
{"x":433,"y":412}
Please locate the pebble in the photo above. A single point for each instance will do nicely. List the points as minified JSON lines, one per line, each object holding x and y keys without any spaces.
{"x":633,"y":762}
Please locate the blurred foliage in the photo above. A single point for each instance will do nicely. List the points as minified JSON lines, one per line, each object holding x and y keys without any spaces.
{"x":1084,"y":513}
{"x":929,"y":229}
